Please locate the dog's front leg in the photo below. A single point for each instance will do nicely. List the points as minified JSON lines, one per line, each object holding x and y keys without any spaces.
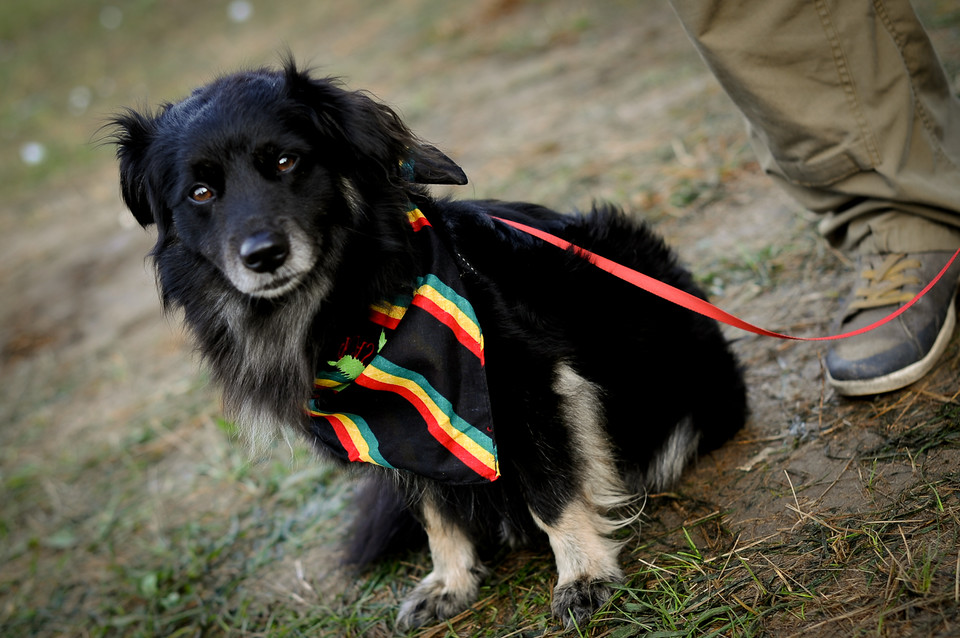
{"x":455,"y":580}
{"x":574,"y":519}
{"x":586,"y":562}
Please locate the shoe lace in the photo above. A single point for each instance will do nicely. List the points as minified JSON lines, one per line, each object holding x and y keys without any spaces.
{"x":885,"y":283}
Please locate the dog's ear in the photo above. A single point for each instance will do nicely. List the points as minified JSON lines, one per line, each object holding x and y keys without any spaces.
{"x":425,"y":164}
{"x":369,"y":131}
{"x":132,"y":135}
{"x":378,"y":130}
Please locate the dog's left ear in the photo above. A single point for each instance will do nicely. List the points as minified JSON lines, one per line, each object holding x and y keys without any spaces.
{"x":369,"y":130}
{"x":425,"y":164}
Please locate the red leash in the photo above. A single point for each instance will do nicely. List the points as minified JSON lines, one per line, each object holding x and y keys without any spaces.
{"x":690,"y":302}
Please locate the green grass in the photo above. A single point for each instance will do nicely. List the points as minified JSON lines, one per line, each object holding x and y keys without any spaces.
{"x":129,"y":571}
{"x":908,"y":553}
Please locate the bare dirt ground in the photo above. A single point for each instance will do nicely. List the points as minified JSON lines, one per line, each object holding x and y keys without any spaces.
{"x":838,"y":517}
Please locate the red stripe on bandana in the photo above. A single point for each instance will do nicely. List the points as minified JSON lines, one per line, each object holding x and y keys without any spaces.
{"x":352,"y":452}
{"x":438,"y":313}
{"x":433,"y":426}
{"x":417,"y":220}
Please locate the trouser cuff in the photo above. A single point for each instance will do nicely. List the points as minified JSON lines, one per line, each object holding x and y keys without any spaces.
{"x":892,"y":231}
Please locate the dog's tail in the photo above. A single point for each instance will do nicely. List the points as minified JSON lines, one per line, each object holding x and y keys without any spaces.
{"x":384,"y":524}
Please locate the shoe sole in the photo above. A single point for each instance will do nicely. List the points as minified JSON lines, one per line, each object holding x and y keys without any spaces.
{"x":905,"y":376}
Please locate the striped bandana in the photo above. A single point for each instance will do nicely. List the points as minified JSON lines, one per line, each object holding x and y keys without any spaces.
{"x":409,"y":390}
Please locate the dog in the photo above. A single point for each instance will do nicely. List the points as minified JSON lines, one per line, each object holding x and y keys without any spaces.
{"x":499,"y":389}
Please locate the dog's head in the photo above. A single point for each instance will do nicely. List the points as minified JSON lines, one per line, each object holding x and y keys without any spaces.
{"x":258,"y":172}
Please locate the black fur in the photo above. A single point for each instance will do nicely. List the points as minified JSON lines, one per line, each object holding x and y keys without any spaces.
{"x":272,"y":265}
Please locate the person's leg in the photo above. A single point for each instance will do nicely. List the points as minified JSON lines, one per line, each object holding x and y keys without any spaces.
{"x":850,"y":112}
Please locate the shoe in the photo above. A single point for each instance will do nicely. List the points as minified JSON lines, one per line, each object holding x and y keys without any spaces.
{"x":903,"y":350}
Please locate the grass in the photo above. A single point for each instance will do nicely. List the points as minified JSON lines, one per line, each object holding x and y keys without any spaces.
{"x":126,"y":506}
{"x":130,"y":572}
{"x":700,"y":578}
{"x":813,"y":574}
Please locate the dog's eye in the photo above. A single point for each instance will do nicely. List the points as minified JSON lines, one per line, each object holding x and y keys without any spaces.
{"x":286,"y":162}
{"x":201,"y":194}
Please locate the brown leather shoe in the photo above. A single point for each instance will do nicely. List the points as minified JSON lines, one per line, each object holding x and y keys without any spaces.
{"x":903,"y":350}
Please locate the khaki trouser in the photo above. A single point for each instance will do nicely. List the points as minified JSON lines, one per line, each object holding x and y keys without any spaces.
{"x":849,"y":110}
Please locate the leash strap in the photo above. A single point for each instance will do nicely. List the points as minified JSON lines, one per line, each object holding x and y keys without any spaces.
{"x":691,"y":302}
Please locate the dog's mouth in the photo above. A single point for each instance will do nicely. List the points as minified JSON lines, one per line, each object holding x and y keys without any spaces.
{"x":278,"y":287}
{"x":269,"y":285}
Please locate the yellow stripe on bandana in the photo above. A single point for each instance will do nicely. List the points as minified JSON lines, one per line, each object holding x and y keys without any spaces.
{"x":417,"y":220}
{"x":466,"y":323}
{"x":467,"y":443}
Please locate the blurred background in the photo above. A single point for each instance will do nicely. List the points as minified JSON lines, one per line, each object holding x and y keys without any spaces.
{"x":127,"y":506}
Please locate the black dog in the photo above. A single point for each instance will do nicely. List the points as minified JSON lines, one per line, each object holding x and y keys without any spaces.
{"x":329,"y":293}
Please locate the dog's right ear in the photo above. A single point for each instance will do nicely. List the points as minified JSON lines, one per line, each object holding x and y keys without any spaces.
{"x":133,"y":134}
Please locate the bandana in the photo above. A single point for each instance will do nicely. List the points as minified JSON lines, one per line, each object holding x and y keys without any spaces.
{"x":409,"y":390}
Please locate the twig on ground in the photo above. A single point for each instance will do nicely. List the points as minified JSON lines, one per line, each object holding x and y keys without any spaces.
{"x":835,"y":481}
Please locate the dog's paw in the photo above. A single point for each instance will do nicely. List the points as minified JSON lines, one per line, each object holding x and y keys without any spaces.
{"x":575,"y":602}
{"x":437,"y":599}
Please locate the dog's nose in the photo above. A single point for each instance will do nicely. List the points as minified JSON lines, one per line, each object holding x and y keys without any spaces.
{"x":264,"y":251}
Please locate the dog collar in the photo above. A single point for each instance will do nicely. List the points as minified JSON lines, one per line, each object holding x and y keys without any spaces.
{"x":409,"y":390}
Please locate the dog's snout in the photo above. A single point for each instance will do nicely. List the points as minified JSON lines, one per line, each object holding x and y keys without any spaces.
{"x":264,"y":251}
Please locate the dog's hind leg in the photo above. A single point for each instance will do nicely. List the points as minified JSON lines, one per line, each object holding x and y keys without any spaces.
{"x":455,"y":580}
